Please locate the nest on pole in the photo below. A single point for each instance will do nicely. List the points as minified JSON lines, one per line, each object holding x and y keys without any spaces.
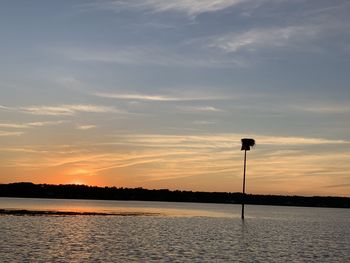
{"x":247,"y":143}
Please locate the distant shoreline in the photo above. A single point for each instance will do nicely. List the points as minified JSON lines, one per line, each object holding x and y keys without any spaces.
{"x":30,"y":190}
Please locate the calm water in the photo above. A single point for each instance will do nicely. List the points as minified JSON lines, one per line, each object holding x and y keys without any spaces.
{"x":177,"y":232}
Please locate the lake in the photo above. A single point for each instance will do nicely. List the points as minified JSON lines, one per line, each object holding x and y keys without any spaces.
{"x":133,"y":231}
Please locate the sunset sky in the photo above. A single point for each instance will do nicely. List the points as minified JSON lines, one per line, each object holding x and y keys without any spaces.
{"x":158,"y":94}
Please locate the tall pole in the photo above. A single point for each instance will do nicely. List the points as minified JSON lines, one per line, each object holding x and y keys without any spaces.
{"x":243,"y":192}
{"x":246,"y":144}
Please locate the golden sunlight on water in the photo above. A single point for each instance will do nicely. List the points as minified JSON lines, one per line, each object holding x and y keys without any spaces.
{"x":115,"y":207}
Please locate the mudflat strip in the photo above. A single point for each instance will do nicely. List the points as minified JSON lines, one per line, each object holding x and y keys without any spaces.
{"x":23,"y":212}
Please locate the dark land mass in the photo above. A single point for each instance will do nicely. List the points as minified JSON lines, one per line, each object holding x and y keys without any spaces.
{"x":31,"y":190}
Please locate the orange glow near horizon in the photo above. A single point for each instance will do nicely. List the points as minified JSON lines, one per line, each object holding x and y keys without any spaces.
{"x":198,"y":163}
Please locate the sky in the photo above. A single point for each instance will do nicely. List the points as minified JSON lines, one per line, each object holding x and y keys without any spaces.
{"x":157,"y":94}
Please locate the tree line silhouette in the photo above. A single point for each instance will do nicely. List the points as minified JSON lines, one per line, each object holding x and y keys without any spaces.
{"x":71,"y":191}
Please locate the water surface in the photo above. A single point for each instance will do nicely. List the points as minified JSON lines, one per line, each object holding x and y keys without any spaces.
{"x":177,"y":232}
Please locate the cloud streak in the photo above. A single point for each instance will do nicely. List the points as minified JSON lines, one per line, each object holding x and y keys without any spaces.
{"x":4,"y":108}
{"x":86,"y":127}
{"x":62,"y":110}
{"x":260,"y":38}
{"x":164,"y":56}
{"x":146,"y":97}
{"x":324,"y":109}
{"x":190,"y":7}
{"x":67,"y":110}
{"x":223,"y":140}
{"x":30,"y":124}
{"x":200,"y":109}
{"x":10,"y":133}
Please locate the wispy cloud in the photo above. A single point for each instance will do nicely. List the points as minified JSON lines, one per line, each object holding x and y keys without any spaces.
{"x":224,"y":140}
{"x":59,"y":110}
{"x":146,"y":97}
{"x":324,"y":109}
{"x":258,"y":38}
{"x":13,"y":125}
{"x":5,"y":108}
{"x":30,"y":124}
{"x":200,"y":109}
{"x":312,"y":30}
{"x":189,"y":7}
{"x":9,"y":133}
{"x":147,"y":55}
{"x":86,"y":127}
{"x":45,"y":123}
{"x":299,"y":141}
{"x":67,"y":110}
{"x":347,"y":185}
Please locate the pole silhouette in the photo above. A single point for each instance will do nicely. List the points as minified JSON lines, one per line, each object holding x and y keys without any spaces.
{"x":246,"y":144}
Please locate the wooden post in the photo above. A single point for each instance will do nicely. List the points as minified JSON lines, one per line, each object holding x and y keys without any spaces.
{"x":243,"y":192}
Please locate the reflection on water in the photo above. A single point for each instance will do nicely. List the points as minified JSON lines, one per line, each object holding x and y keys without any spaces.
{"x":183,"y":233}
{"x":117,"y":207}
